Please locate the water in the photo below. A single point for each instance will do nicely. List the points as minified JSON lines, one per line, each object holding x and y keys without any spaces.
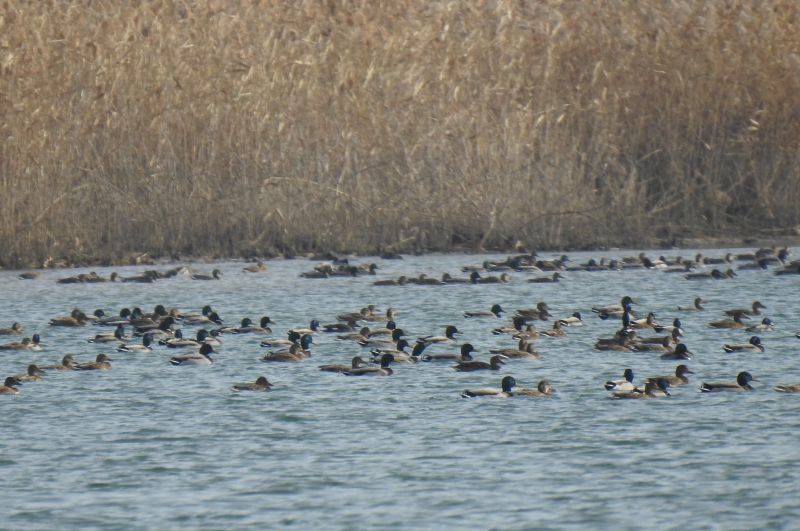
{"x":147,"y":445}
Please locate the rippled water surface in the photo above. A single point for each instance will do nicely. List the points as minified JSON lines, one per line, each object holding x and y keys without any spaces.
{"x":148,"y":445}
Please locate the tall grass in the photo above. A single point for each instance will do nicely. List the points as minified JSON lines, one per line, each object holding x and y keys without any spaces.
{"x":241,"y":128}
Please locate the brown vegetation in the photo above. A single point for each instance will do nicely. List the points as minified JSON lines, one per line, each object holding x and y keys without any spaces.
{"x":230,"y":128}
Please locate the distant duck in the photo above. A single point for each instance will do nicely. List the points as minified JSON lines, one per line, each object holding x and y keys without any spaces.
{"x":528,"y":334}
{"x":361,"y":335}
{"x":28,"y":343}
{"x":495,"y":311}
{"x":556,"y":331}
{"x":349,"y":326}
{"x":449,"y":336}
{"x":29,"y":275}
{"x":541,"y":312}
{"x":468,"y":366}
{"x":295,"y":353}
{"x":524,"y":350}
{"x":447,"y":279}
{"x":247,"y":327}
{"x":202,"y":357}
{"x":515,"y":328}
{"x":764,"y":326}
{"x":542,"y":389}
{"x":753,"y":345}
{"x":545,"y":280}
{"x":736,"y":322}
{"x":383,"y":370}
{"x":400,"y":281}
{"x":696,"y":307}
{"x":75,"y":318}
{"x":381,"y":342}
{"x":10,"y":385}
{"x":657,"y":389}
{"x":614,"y":310}
{"x":261,"y":384}
{"x":714,"y":274}
{"x":144,"y":346}
{"x":742,"y":383}
{"x":313,"y":328}
{"x":33,"y":374}
{"x":681,"y":352}
{"x":625,"y":384}
{"x":15,"y":329}
{"x":115,"y":337}
{"x":676,"y":325}
{"x":679,"y":378}
{"x":476,"y":278}
{"x":665,"y":345}
{"x":216,"y":274}
{"x":355,"y":363}
{"x":258,"y":267}
{"x":101,"y":363}
{"x":507,"y":385}
{"x":647,"y":322}
{"x":211,"y":317}
{"x":464,"y":355}
{"x":755,"y":309}
{"x":67,"y":364}
{"x":788,"y":388}
{"x":672,"y":338}
{"x":573,"y":320}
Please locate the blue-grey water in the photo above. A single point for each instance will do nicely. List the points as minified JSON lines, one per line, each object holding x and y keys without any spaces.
{"x":147,"y":445}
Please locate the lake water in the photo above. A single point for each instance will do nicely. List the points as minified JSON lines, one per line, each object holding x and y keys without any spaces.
{"x":147,"y":445}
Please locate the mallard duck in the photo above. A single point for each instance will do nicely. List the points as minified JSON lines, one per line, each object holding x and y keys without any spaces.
{"x":541,"y":312}
{"x":619,"y":343}
{"x":764,"y":326}
{"x":556,"y":331}
{"x":528,"y":334}
{"x":216,"y":274}
{"x":361,"y":335}
{"x":507,"y":385}
{"x":647,"y":322}
{"x":681,"y":352}
{"x":248,"y":328}
{"x":476,"y":278}
{"x":261,"y":384}
{"x":467,"y":366}
{"x":573,"y":320}
{"x":67,"y":364}
{"x":211,"y":317}
{"x":679,"y":378}
{"x":742,"y":383}
{"x":15,"y":330}
{"x":29,"y":275}
{"x":258,"y":267}
{"x":75,"y":318}
{"x":542,"y":389}
{"x":387,"y":330}
{"x":348,"y":326}
{"x":665,"y":345}
{"x":293,"y":337}
{"x":313,"y":328}
{"x":447,"y":279}
{"x":398,"y":348}
{"x":676,"y":325}
{"x":673,"y":338}
{"x":118,"y":335}
{"x":753,"y":310}
{"x":162,"y":331}
{"x":383,"y":370}
{"x":380,"y":342}
{"x":787,"y":388}
{"x":449,"y":336}
{"x":28,"y":343}
{"x":355,"y":363}
{"x":495,"y":311}
{"x":613,"y":310}
{"x":651,"y":390}
{"x":33,"y":374}
{"x":465,"y":355}
{"x":751,"y":346}
{"x":144,"y":346}
{"x":736,"y":322}
{"x":9,"y":387}
{"x":400,"y":281}
{"x":202,"y":357}
{"x":544,"y":280}
{"x":101,"y":363}
{"x":178,"y":341}
{"x":294,"y":353}
{"x":626,"y":384}
{"x":515,"y":328}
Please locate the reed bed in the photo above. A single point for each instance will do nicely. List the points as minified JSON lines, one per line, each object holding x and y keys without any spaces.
{"x":248,"y":128}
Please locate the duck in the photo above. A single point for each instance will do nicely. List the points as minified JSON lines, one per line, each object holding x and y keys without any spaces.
{"x":67,"y":364}
{"x":515,"y":328}
{"x":545,"y":280}
{"x":465,"y":354}
{"x":387,"y":330}
{"x":676,"y":326}
{"x":742,"y":383}
{"x":148,"y":277}
{"x":647,"y":322}
{"x":348,"y":326}
{"x":178,"y":341}
{"x":556,"y":331}
{"x":398,"y":350}
{"x":362,"y":335}
{"x":400,"y":281}
{"x":101,"y":363}
{"x":261,"y":384}
{"x":448,"y":279}
{"x":542,"y":389}
{"x":303,"y":343}
{"x":144,"y":346}
{"x":383,"y":370}
{"x":28,"y":343}
{"x":736,"y":322}
{"x":75,"y":318}
{"x":614,"y":310}
{"x":528,"y":334}
{"x":258,"y":267}
{"x":573,"y":320}
{"x":787,"y":388}
{"x":378,"y":342}
{"x":621,"y":342}
{"x":651,"y":390}
{"x":162,"y":331}
{"x":625,"y":384}
{"x":673,"y":338}
{"x":507,"y":385}
{"x":202,"y":357}
{"x":523,"y":350}
{"x":293,"y":354}
{"x":14,"y":330}
{"x":293,"y":337}
{"x":29,"y":275}
{"x":449,"y":336}
{"x":541,"y":312}
{"x":313,"y":328}
{"x":216,"y":274}
{"x":112,"y":320}
{"x":755,"y":309}
{"x":764,"y":326}
{"x":679,"y":378}
{"x":9,"y":387}
{"x":117,"y":336}
{"x":476,"y":278}
{"x":714,"y":274}
{"x":665,"y":345}
{"x":751,"y":346}
{"x":681,"y":352}
{"x":33,"y":374}
{"x":246,"y":326}
{"x":355,"y":363}
{"x":211,"y":317}
{"x":469,"y":366}
{"x":495,"y":311}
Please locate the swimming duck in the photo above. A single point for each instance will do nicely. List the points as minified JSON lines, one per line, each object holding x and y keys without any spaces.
{"x":753,"y":345}
{"x":16,"y":329}
{"x":626,"y":384}
{"x":614,"y":310}
{"x":542,"y":389}
{"x":261,"y":384}
{"x":216,"y":274}
{"x":673,"y":338}
{"x":762,"y":264}
{"x":202,"y":357}
{"x":556,"y":331}
{"x":112,"y":320}
{"x":398,"y":349}
{"x":573,"y":320}
{"x":753,"y":310}
{"x":294,"y":353}
{"x":378,"y":342}
{"x":211,"y":317}
{"x":787,"y":388}
{"x":621,"y":342}
{"x":476,"y":278}
{"x":400,"y":281}
{"x":714,"y":274}
{"x":405,"y":357}
{"x":742,"y":383}
{"x":679,"y":378}
{"x":468,"y":366}
{"x":361,"y":335}
{"x":248,"y":328}
{"x":292,"y":338}
{"x":544,"y":280}
{"x":665,"y":345}
{"x":117,"y":336}
{"x":727,"y":259}
{"x":162,"y":331}
{"x":449,"y":336}
{"x":313,"y":328}
{"x":676,"y":325}
{"x":29,"y":275}
{"x":33,"y":374}
{"x":383,"y":370}
{"x":764,"y":326}
{"x":75,"y":318}
{"x":736,"y":322}
{"x":178,"y":341}
{"x":67,"y":364}
{"x":647,"y":322}
{"x":28,"y":343}
{"x":465,"y":355}
{"x":447,"y":279}
{"x":355,"y":363}
{"x":147,"y":340}
{"x":515,"y":328}
{"x":348,"y":326}
{"x":507,"y":385}
{"x":528,"y":334}
{"x":696,"y":307}
{"x":387,"y":330}
{"x":523,"y":350}
{"x":258,"y":267}
{"x":681,"y":352}
{"x":100,"y":363}
{"x":495,"y":311}
{"x":651,"y":390}
{"x":9,"y":387}
{"x":541,"y":312}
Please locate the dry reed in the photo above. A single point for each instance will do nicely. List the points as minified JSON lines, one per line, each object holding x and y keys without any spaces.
{"x":244,"y":128}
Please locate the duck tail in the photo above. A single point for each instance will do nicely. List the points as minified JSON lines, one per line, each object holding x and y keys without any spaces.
{"x":467,"y":394}
{"x":728,"y":348}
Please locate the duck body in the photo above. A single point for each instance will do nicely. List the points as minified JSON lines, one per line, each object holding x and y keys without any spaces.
{"x":495,"y":311}
{"x":261,"y":384}
{"x":754,"y":345}
{"x":202,"y":357}
{"x":651,"y":390}
{"x":67,"y":364}
{"x":469,"y":366}
{"x":355,"y":363}
{"x":101,"y":363}
{"x":742,"y":383}
{"x":34,"y":374}
{"x":464,"y":355}
{"x":542,"y":389}
{"x":9,"y":386}
{"x":383,"y":370}
{"x":679,"y":378}
{"x":507,"y":385}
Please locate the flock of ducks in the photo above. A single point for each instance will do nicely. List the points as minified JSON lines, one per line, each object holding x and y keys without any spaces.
{"x":381,"y":344}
